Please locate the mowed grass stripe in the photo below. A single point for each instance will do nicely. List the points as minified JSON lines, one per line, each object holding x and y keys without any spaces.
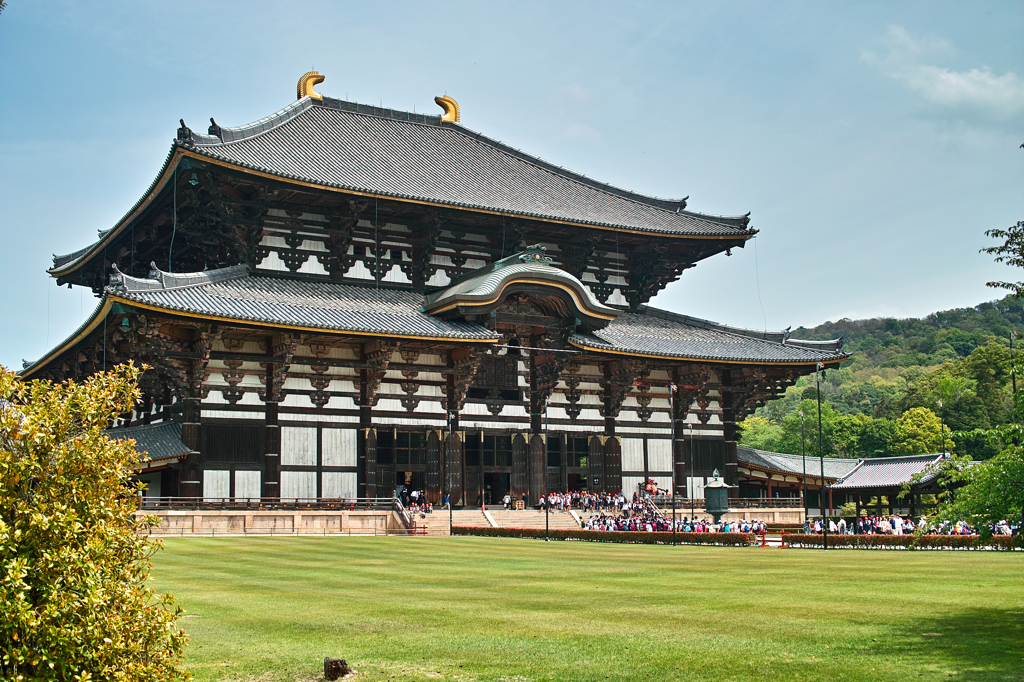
{"x":507,"y":609}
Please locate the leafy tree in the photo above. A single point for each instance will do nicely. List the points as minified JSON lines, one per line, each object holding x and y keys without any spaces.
{"x":919,"y":432}
{"x":985,"y":493}
{"x":760,"y":433}
{"x":1011,"y":252}
{"x":876,"y":438}
{"x":73,"y":568}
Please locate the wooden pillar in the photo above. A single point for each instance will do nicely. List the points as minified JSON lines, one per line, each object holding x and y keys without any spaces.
{"x":368,"y":440}
{"x":830,"y":505}
{"x":272,"y":452}
{"x":612,"y":444}
{"x":520,"y":480}
{"x":537,"y":456}
{"x":595,"y":461}
{"x":191,"y":483}
{"x":613,"y":464}
{"x":434,"y":468}
{"x":769,"y":486}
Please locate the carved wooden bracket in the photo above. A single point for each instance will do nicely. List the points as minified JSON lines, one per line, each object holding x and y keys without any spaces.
{"x":377,"y":354}
{"x":620,"y":377}
{"x":463,"y":363}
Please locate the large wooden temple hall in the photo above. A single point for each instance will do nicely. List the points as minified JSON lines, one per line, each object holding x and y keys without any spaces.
{"x":339,"y":299}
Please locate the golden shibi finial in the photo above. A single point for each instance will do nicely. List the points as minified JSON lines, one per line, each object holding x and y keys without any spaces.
{"x":306,"y":83}
{"x":451,"y":109}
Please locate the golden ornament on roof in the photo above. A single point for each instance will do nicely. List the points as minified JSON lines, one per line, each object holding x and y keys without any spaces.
{"x":306,"y":83}
{"x":451,"y":109}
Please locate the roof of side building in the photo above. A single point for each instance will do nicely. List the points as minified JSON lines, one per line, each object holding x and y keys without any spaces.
{"x":835,"y":467}
{"x":889,"y":472}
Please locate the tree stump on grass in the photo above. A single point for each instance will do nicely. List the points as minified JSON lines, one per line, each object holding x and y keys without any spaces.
{"x":335,"y":668}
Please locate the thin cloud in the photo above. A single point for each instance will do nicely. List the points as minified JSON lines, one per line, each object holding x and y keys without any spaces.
{"x":977,"y":90}
{"x":581,"y":131}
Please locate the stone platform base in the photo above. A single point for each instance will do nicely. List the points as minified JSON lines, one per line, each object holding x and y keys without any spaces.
{"x":768,"y":515}
{"x":277,"y":522}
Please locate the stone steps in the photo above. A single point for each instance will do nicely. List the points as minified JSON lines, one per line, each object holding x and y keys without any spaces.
{"x":437,"y":522}
{"x":533,"y":518}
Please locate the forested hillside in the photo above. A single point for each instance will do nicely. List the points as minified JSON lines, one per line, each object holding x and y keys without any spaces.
{"x":903,"y":377}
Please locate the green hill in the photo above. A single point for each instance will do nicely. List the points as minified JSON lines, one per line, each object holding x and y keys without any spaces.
{"x":886,"y":399}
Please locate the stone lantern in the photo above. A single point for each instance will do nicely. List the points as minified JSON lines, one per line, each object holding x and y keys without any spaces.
{"x":716,"y":496}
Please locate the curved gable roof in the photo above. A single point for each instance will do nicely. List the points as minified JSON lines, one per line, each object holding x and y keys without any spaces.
{"x":484,"y":289}
{"x":415,"y":157}
{"x":419,"y":157}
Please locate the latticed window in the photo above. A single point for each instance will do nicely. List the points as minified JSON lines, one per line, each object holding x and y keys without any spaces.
{"x":577,"y":450}
{"x":401,"y":448}
{"x":498,"y":373}
{"x":491,"y":451}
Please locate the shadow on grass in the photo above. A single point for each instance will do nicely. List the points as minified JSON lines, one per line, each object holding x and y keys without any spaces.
{"x":975,"y":644}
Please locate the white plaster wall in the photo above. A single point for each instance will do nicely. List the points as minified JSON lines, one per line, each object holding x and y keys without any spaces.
{"x":248,"y":485}
{"x":298,"y":485}
{"x":216,"y":484}
{"x":339,"y":484}
{"x":298,"y":446}
{"x":339,"y":448}
{"x":630,"y":483}
{"x":659,"y":455}
{"x":632,"y":456}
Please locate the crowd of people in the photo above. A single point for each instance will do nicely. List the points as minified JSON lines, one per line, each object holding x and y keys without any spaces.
{"x":899,"y":525}
{"x":650,"y":522}
{"x":577,"y":499}
{"x":415,"y":501}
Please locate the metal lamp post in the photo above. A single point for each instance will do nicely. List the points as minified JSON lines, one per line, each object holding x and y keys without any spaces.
{"x":942,"y":426}
{"x":689,"y":490}
{"x":803,"y":457}
{"x":675,"y":424}
{"x":449,"y":448}
{"x":547,"y":498}
{"x":821,"y":457}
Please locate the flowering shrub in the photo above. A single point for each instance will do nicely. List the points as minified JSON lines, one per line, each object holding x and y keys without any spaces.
{"x":75,"y":600}
{"x":900,"y":541}
{"x":634,"y":537}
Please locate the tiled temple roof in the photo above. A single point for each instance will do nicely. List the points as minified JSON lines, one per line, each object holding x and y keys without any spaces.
{"x":888,"y":472}
{"x":232,"y":294}
{"x":486,"y":285}
{"x":154,"y":441}
{"x":659,"y":333}
{"x":413,"y":156}
{"x":835,"y":467}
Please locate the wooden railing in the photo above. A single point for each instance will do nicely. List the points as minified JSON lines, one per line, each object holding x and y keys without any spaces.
{"x":682,"y":503}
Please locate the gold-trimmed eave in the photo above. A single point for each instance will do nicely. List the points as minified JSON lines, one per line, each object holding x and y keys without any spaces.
{"x":501,"y":293}
{"x":749,"y":234}
{"x":292,"y":327}
{"x":110,"y":300}
{"x":180,"y":152}
{"x":654,"y":356}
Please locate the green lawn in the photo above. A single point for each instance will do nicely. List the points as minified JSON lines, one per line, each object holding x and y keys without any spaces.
{"x":508,"y":609}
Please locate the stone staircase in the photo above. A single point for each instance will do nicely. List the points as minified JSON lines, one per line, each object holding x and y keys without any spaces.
{"x":533,"y":518}
{"x":437,"y":522}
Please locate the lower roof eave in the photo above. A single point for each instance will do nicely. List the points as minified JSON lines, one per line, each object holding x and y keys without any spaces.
{"x":109,"y":300}
{"x":129,"y":303}
{"x":728,"y":361}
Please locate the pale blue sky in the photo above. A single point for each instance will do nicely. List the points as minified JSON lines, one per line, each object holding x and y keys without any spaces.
{"x":872,"y":142}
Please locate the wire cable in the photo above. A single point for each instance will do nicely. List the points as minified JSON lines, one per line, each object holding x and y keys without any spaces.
{"x":757,"y":279}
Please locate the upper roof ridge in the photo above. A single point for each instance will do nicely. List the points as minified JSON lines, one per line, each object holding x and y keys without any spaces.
{"x":221,"y":135}
{"x":159,"y":280}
